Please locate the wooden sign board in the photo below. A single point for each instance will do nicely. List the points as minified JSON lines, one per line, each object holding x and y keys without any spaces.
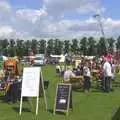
{"x":63,"y":98}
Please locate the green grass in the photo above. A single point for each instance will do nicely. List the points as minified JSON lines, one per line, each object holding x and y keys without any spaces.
{"x":95,"y":106}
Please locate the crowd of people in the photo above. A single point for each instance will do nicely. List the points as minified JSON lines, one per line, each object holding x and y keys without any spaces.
{"x":103,"y":70}
{"x":10,"y":80}
{"x":11,"y":85}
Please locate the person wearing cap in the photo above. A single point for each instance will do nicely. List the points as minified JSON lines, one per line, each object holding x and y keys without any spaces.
{"x":107,"y":69}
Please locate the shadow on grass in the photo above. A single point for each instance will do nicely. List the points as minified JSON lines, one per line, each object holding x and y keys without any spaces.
{"x":116,"y":84}
{"x":57,"y":112}
{"x":97,"y":90}
{"x":16,"y":109}
{"x":116,"y":116}
{"x":77,"y":90}
{"x":2,"y":98}
{"x":93,"y":89}
{"x":50,"y":111}
{"x":60,"y":113}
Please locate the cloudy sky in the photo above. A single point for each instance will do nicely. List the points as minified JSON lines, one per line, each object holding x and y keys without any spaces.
{"x":49,"y":18}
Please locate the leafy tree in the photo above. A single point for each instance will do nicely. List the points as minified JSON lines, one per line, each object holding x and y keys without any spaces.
{"x":12,"y":48}
{"x":19,"y":48}
{"x":4,"y":47}
{"x":50,"y":47}
{"x":91,"y":46}
{"x":12,"y":43}
{"x":111,"y":42}
{"x":34,"y":44}
{"x":118,"y":43}
{"x":84,"y":45}
{"x":42,"y":46}
{"x":101,"y":46}
{"x":4,"y":43}
{"x":12,"y":52}
{"x":27,"y":47}
{"x":66,"y":46}
{"x":74,"y":46}
{"x":58,"y":47}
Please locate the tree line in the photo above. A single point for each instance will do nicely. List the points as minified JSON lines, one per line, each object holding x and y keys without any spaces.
{"x":85,"y":46}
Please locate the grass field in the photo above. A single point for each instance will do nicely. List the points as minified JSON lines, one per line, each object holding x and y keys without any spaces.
{"x":95,"y":106}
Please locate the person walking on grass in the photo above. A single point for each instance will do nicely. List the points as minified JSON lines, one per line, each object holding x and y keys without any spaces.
{"x":87,"y":77}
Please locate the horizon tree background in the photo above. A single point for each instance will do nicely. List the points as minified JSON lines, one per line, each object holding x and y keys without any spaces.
{"x":89,"y":46}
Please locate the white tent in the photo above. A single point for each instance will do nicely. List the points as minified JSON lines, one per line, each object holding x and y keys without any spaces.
{"x":61,"y":57}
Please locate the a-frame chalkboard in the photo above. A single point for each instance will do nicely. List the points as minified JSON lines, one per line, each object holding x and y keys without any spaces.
{"x":63,"y":99}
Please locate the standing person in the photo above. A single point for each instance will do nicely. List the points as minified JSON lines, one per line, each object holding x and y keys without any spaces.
{"x":113,"y":74}
{"x":113,"y":70}
{"x":107,"y":68}
{"x":58,"y":69}
{"x":101,"y":76}
{"x":87,"y":76}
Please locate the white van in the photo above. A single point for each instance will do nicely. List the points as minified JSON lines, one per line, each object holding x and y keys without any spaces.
{"x":39,"y":60}
{"x":60,"y":57}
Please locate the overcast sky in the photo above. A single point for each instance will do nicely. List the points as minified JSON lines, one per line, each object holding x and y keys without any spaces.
{"x":48,"y":18}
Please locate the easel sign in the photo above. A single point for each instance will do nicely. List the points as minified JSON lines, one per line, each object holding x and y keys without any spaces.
{"x":30,"y":85}
{"x":63,"y":99}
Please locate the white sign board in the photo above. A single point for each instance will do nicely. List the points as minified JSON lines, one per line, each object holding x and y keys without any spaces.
{"x":30,"y":82}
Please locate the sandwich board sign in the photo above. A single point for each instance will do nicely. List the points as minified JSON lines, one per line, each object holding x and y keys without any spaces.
{"x":63,"y":99}
{"x":30,"y":85}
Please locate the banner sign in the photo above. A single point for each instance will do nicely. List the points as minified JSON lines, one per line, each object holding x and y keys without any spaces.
{"x":30,"y":82}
